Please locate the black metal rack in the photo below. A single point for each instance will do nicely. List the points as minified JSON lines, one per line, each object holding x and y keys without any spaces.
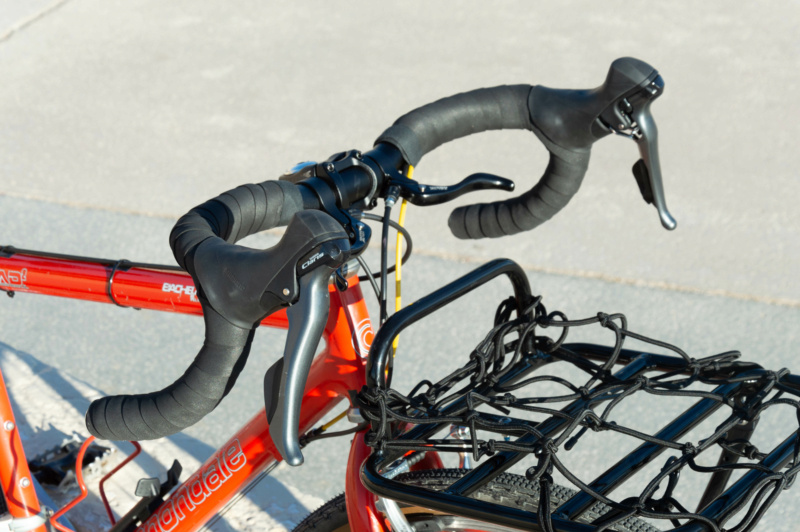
{"x":745,"y":388}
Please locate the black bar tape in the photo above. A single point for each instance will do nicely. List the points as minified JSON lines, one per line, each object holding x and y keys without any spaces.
{"x":561,"y":180}
{"x":232,"y":216}
{"x":428,"y":127}
{"x":504,"y":107}
{"x":183,"y":403}
{"x":562,"y":120}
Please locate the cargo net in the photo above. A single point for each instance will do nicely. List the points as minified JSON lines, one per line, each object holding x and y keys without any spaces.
{"x":480,"y":396}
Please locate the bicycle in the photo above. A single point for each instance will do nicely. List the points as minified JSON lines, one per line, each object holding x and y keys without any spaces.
{"x":289,"y":286}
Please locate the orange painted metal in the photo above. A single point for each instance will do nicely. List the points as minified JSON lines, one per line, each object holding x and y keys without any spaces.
{"x":338,"y":369}
{"x":101,"y":486}
{"x":88,"y":280}
{"x":15,"y":476}
{"x":333,"y":373}
{"x":361,"y":511}
{"x":81,"y":486}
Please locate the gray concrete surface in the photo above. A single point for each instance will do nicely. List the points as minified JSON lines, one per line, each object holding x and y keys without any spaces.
{"x":115,"y":118}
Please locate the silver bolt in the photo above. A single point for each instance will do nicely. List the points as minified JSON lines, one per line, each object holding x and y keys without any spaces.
{"x":621,"y":126}
{"x":459,"y":432}
{"x":329,"y":167}
{"x":24,"y":482}
{"x":286,"y":291}
{"x":8,"y":425}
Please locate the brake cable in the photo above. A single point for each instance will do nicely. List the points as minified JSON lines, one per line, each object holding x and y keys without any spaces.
{"x":398,"y":277}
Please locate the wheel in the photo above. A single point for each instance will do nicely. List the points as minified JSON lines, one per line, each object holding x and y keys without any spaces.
{"x":510,"y":490}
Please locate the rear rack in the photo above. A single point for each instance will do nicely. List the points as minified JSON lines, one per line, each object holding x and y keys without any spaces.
{"x":491,"y":395}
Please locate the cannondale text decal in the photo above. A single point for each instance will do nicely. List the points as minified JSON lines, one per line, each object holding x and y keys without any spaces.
{"x":14,"y":279}
{"x":194,"y":491}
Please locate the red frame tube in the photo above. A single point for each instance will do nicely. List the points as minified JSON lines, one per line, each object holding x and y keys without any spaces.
{"x":15,"y":476}
{"x":81,"y":485}
{"x":338,"y":369}
{"x":100,"y":486}
{"x":140,"y":286}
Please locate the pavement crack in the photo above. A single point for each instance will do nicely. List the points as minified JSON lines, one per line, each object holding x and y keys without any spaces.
{"x":24,"y":23}
{"x":629,"y":281}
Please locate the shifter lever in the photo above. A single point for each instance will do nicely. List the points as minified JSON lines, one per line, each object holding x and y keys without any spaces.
{"x":423,"y":195}
{"x":285,"y":381}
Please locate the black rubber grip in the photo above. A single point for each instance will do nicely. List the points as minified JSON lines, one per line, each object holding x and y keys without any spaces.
{"x":428,"y":127}
{"x":231,"y":216}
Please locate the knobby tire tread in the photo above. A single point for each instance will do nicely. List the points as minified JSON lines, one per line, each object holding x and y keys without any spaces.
{"x":506,"y":489}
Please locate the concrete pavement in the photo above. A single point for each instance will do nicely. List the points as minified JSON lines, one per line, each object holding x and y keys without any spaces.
{"x":103,"y":103}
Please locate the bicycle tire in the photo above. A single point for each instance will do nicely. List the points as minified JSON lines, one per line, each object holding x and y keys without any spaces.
{"x":511,"y":490}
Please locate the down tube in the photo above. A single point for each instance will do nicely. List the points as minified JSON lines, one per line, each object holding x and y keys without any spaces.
{"x":230,"y":469}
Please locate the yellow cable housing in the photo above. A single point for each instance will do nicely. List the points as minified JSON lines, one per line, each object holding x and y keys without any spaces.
{"x":398,"y":259}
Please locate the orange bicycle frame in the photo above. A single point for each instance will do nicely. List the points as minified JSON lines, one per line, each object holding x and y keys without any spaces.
{"x":338,"y":369}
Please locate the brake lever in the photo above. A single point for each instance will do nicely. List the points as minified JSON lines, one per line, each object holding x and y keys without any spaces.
{"x":284,"y":382}
{"x":424,"y":195}
{"x":647,"y":170}
{"x":649,"y":181}
{"x":631,"y":114}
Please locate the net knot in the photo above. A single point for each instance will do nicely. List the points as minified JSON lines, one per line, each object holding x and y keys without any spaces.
{"x":471,"y":417}
{"x":537,"y":472}
{"x":490,"y":447}
{"x":603,"y":318}
{"x":533,"y":308}
{"x":663,"y":505}
{"x":478,"y":373}
{"x":593,"y":421}
{"x":375,"y":440}
{"x":547,"y":447}
{"x":751,"y":451}
{"x":603,"y":374}
{"x":688,"y":449}
{"x":584,"y":391}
